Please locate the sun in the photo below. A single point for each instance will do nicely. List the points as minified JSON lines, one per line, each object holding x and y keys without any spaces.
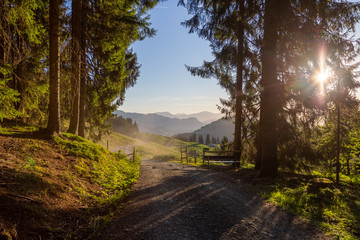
{"x":322,"y":76}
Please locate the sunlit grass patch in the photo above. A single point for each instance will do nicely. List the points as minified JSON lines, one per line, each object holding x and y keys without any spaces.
{"x":116,"y":140}
{"x":80,"y":147}
{"x":112,"y":171}
{"x":162,"y":140}
{"x":248,"y":166}
{"x":335,"y":209}
{"x":16,"y":129}
{"x":160,"y":152}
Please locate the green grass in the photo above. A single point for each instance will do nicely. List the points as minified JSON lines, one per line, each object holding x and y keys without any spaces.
{"x":336,"y":209}
{"x":114,"y":140}
{"x":112,"y":171}
{"x":69,"y":170}
{"x":80,"y":147}
{"x":165,"y":148}
{"x":17,"y":129}
{"x":162,"y":140}
{"x":158,"y":151}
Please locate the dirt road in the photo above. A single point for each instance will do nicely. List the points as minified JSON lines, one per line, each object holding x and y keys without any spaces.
{"x":173,"y":201}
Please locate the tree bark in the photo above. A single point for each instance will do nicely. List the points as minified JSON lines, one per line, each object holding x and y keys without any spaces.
{"x":2,"y":40}
{"x":239,"y":84}
{"x":259,"y":137}
{"x":54,"y":39}
{"x":269,"y":109}
{"x":338,"y":143}
{"x":81,"y":130}
{"x":75,"y":65}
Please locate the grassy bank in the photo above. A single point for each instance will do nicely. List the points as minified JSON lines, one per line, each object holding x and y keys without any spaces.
{"x":336,"y":208}
{"x":60,"y":188}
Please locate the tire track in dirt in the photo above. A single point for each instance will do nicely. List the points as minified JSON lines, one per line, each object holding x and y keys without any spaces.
{"x":174,"y":201}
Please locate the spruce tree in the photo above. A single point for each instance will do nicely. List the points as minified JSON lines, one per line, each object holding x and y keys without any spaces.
{"x":111,"y":28}
{"x":83,"y":74}
{"x":230,"y":26}
{"x":316,"y":36}
{"x":207,"y":139}
{"x":201,"y":139}
{"x":76,"y":13}
{"x":54,"y":38}
{"x":22,"y":50}
{"x":269,"y":100}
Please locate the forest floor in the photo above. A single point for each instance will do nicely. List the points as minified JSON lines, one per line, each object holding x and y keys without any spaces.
{"x":30,"y":202}
{"x":176,"y":201}
{"x":49,"y":192}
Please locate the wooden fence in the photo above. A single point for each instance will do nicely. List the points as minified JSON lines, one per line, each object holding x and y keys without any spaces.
{"x":185,"y":154}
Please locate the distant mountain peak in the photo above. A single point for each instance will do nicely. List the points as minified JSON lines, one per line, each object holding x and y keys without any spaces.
{"x":163,"y":123}
{"x":219,"y":129}
{"x":204,"y":116}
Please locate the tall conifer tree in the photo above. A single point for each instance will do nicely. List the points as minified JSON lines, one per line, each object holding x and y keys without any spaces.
{"x":54,"y":39}
{"x":83,"y":73}
{"x":269,"y":100}
{"x":76,"y":16}
{"x":230,"y":28}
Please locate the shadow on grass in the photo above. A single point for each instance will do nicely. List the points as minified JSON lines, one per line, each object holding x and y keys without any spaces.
{"x":32,"y":208}
{"x":334,"y":207}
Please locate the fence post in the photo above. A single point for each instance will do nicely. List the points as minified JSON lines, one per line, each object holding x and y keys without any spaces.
{"x":181,"y":154}
{"x":195,"y":156}
{"x":134,"y":152}
{"x":187,"y":160}
{"x":203,"y":156}
{"x":107,"y":145}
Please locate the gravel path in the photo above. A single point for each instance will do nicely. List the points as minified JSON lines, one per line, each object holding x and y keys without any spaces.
{"x":173,"y":201}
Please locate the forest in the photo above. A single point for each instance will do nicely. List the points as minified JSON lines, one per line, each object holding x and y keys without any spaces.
{"x":292,"y":84}
{"x":291,"y":72}
{"x":290,"y":69}
{"x":69,"y":61}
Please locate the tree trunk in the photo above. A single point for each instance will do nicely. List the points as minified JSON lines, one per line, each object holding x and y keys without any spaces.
{"x":239,"y":85}
{"x":18,"y":76}
{"x":270,"y":95}
{"x":2,"y":40}
{"x":338,"y":143}
{"x":54,"y":39}
{"x":81,"y":130}
{"x":348,"y":163}
{"x":75,"y":65}
{"x":259,"y":138}
{"x":19,"y":73}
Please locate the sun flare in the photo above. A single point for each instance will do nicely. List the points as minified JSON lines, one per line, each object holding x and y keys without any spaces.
{"x":324,"y":72}
{"x":322,"y":76}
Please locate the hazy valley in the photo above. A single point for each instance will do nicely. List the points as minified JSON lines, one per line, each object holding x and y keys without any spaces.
{"x":167,"y":124}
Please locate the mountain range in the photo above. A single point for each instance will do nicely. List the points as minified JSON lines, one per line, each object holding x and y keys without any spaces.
{"x":204,"y":117}
{"x":167,"y":124}
{"x":219,"y":128}
{"x":160,"y":124}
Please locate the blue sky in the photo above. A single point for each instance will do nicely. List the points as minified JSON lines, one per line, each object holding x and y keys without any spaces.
{"x":164,"y":83}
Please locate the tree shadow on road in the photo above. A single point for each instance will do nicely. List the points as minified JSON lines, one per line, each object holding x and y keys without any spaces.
{"x":193,"y":203}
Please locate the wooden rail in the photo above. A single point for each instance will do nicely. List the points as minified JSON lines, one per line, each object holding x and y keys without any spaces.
{"x":221,"y":156}
{"x":185,"y":154}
